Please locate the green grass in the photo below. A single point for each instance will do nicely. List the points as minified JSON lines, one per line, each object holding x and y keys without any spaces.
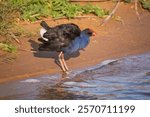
{"x":128,"y":1}
{"x":145,"y":4}
{"x":7,"y":17}
{"x":33,"y":10}
{"x":7,"y":46}
{"x":63,"y":8}
{"x":96,"y":10}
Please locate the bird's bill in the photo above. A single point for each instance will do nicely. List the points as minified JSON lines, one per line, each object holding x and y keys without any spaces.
{"x":94,"y":34}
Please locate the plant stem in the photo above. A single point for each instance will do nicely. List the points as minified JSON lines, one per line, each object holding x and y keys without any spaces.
{"x":111,"y":14}
{"x":136,"y":10}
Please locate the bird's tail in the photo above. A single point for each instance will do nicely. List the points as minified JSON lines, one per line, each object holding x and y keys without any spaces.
{"x":44,"y":25}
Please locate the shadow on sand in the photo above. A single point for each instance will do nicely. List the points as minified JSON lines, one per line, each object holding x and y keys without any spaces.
{"x":48,"y":54}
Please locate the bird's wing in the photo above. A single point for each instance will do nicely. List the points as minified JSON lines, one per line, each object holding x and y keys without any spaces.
{"x":61,"y":36}
{"x":69,"y":31}
{"x":50,"y":34}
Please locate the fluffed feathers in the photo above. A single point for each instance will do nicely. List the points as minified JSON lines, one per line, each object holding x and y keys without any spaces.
{"x":55,"y":38}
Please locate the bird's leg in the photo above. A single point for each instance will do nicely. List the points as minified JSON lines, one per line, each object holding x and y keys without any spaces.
{"x":64,"y":62}
{"x":61,"y":61}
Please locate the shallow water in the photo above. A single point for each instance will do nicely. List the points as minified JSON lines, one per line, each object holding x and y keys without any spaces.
{"x":124,"y":78}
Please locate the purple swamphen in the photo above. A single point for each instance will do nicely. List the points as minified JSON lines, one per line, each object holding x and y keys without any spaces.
{"x":65,"y":39}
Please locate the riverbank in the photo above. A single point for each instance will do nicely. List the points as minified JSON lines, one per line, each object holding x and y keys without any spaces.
{"x":115,"y":39}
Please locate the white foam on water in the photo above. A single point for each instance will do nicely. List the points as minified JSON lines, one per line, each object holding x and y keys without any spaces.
{"x":31,"y":81}
{"x":106,"y":62}
{"x":79,"y":84}
{"x":103,"y":63}
{"x":55,"y":76}
{"x":70,"y":83}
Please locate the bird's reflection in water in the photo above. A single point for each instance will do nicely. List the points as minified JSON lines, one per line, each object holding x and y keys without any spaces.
{"x":57,"y":91}
{"x":60,"y":91}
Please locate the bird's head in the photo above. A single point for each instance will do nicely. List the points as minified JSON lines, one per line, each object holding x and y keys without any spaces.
{"x":89,"y":32}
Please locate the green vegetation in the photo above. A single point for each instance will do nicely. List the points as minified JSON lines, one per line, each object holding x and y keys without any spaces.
{"x":127,"y":1}
{"x":32,"y":10}
{"x":63,"y":8}
{"x":7,"y":46}
{"x":89,"y":8}
{"x":145,"y":4}
{"x":7,"y":18}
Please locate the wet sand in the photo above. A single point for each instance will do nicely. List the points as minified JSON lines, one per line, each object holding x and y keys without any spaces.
{"x":115,"y":39}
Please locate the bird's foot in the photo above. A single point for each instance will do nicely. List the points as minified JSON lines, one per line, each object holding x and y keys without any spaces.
{"x":65,"y":75}
{"x":66,"y":72}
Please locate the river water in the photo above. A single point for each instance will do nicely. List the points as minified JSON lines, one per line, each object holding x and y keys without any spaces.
{"x":125,"y":78}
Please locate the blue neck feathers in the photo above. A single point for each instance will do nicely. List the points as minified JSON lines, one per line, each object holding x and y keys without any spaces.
{"x":77,"y":44}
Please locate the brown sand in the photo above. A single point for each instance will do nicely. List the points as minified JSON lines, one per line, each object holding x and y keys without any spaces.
{"x":113,"y":40}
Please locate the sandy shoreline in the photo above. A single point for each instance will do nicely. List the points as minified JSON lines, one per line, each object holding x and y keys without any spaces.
{"x":112,"y":41}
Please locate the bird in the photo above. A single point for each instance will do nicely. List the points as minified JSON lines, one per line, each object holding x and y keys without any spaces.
{"x":66,"y":39}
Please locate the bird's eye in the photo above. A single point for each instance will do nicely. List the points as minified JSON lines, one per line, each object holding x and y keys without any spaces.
{"x":90,"y":33}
